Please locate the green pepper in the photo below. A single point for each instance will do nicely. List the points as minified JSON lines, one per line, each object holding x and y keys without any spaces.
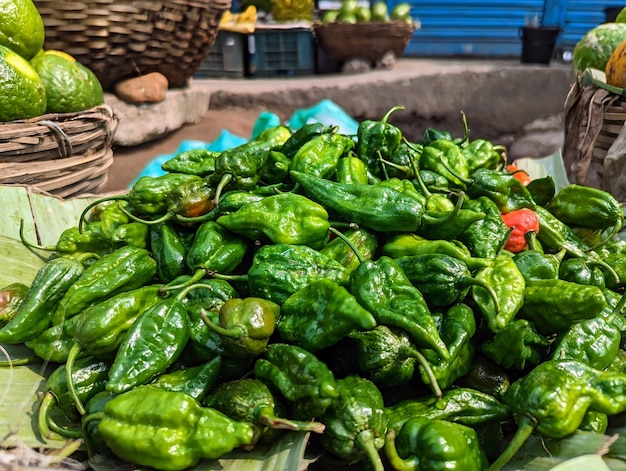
{"x":457,"y":330}
{"x":152,"y":344}
{"x":320,"y":314}
{"x":287,"y":218}
{"x":53,"y":344}
{"x":119,"y":229}
{"x":594,"y":422}
{"x":241,"y":167}
{"x":200,"y":162}
{"x":504,"y":189}
{"x":402,"y":163}
{"x":168,"y":250}
{"x":508,"y":284}
{"x":89,"y":378}
{"x":51,"y":284}
{"x":402,"y":245}
{"x":554,"y":397}
{"x":279,"y":270}
{"x":431,"y":180}
{"x":542,"y":190}
{"x":585,"y":206}
{"x":444,"y":157}
{"x":384,"y":289}
{"x":536,"y":265}
{"x":319,"y":156}
{"x":432,"y":134}
{"x":303,"y":379}
{"x":149,"y":426}
{"x":377,"y":140}
{"x":554,"y":305}
{"x":516,"y":346}
{"x":149,"y":196}
{"x":366,"y":243}
{"x":376,"y":207}
{"x":215,"y":249}
{"x":231,"y":201}
{"x":486,"y":376}
{"x":11,"y":296}
{"x":486,"y":237}
{"x":121,"y":270}
{"x":355,"y":422}
{"x":481,"y":153}
{"x":449,"y":224}
{"x":250,"y":400}
{"x":584,"y":272}
{"x":351,"y":169}
{"x":432,"y":445}
{"x":94,"y":443}
{"x":441,"y":278}
{"x":304,"y":134}
{"x":387,"y":357}
{"x":74,"y":241}
{"x":245,"y":325}
{"x":594,"y":341}
{"x":555,"y":235}
{"x":195,"y":381}
{"x":465,"y":406}
{"x":276,"y":169}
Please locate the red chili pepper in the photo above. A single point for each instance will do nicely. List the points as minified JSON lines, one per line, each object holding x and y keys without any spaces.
{"x":519,"y":173}
{"x":521,"y":222}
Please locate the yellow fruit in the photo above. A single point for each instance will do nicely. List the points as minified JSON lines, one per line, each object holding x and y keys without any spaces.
{"x":70,"y":86}
{"x":21,"y":27}
{"x":616,"y":67}
{"x":22,"y":94}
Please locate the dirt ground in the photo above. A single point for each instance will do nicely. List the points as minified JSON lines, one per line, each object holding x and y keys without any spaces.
{"x":128,"y":162}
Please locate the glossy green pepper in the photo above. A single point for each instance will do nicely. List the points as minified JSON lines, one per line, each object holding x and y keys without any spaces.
{"x":351,"y":169}
{"x":465,"y":406}
{"x":53,"y":344}
{"x":152,"y":344}
{"x":366,"y":243}
{"x":434,"y":445}
{"x":149,"y":426}
{"x":119,"y":229}
{"x":585,"y":206}
{"x":168,"y":250}
{"x":444,"y":157}
{"x":303,"y":379}
{"x":250,"y":400}
{"x":245,"y":325}
{"x":200,"y":162}
{"x":486,"y":237}
{"x":516,"y":346}
{"x":584,"y":272}
{"x":402,"y":245}
{"x":377,"y":140}
{"x":481,"y":153}
{"x":284,"y":218}
{"x":94,"y":443}
{"x":553,"y":398}
{"x":279,"y":270}
{"x":554,"y":305}
{"x":195,"y":381}
{"x":384,"y":289}
{"x":504,"y":189}
{"x":241,"y":167}
{"x":51,"y":283}
{"x":319,"y":156}
{"x":441,"y":278}
{"x":376,"y":207}
{"x":509,"y":285}
{"x":555,"y":235}
{"x":537,"y":265}
{"x":387,"y":357}
{"x":355,"y":422}
{"x":121,"y":270}
{"x":321,"y":314}
{"x":89,"y":378}
{"x":486,"y":376}
{"x":304,"y":134}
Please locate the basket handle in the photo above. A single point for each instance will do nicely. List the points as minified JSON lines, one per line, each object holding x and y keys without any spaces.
{"x":65,"y":145}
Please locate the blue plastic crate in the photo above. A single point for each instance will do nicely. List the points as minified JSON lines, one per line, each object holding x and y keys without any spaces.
{"x":281,"y":52}
{"x":225,"y":59}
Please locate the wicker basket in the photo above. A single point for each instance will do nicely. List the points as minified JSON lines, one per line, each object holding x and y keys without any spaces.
{"x":369,"y":41}
{"x":63,"y":154}
{"x":126,"y":38}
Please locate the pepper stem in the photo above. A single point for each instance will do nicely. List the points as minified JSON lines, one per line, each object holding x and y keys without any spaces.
{"x":388,"y":113}
{"x":349,"y":243}
{"x":225,"y":180}
{"x":265,"y":416}
{"x":95,"y":203}
{"x":32,"y":245}
{"x":397,"y":462}
{"x":429,"y":372}
{"x":86,"y":420}
{"x":234,"y":333}
{"x":470,"y":281}
{"x":42,"y":415}
{"x":365,"y":442}
{"x":166,"y":217}
{"x":525,"y":428}
{"x":69,"y":367}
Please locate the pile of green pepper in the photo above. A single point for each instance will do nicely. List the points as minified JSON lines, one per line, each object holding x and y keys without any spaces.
{"x":404,"y":301}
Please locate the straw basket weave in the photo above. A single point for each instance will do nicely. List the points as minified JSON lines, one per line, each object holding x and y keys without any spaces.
{"x":63,"y":154}
{"x":367,"y":40}
{"x":127,"y":38}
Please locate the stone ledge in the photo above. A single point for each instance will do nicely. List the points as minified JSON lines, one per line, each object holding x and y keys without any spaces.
{"x":146,"y":122}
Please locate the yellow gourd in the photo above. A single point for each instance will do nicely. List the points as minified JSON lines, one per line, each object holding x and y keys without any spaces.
{"x":616,"y":67}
